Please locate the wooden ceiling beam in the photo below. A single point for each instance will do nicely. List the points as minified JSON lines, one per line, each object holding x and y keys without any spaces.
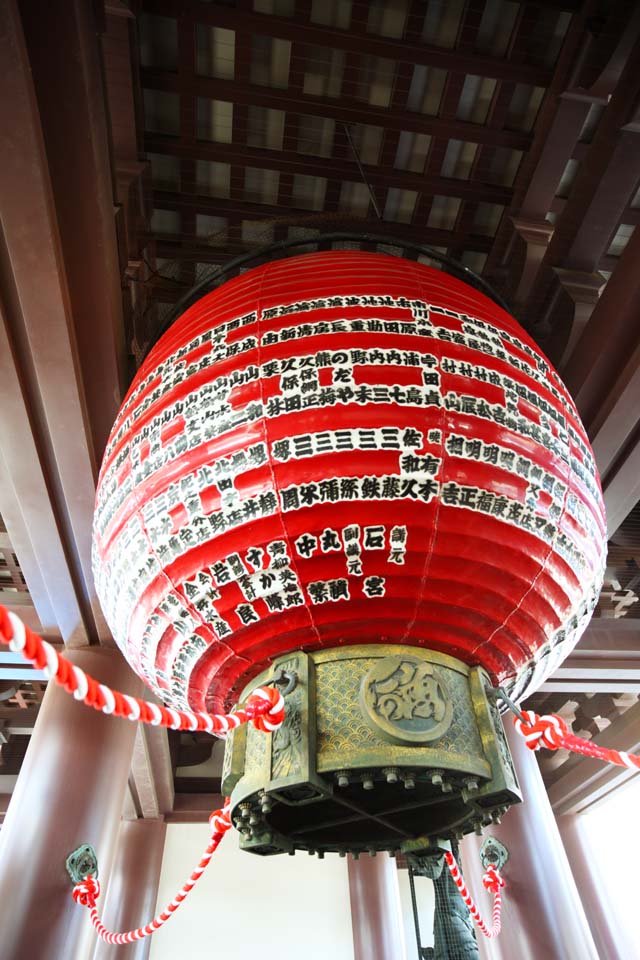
{"x":291,"y":162}
{"x":345,"y":109}
{"x":300,"y":30}
{"x":193,"y":807}
{"x":152,"y":772}
{"x":589,"y":780}
{"x":430,"y":236}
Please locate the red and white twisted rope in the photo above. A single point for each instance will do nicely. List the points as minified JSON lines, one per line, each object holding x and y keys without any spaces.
{"x":88,"y":890}
{"x":493,"y":882}
{"x":265,"y":706}
{"x":552,"y":732}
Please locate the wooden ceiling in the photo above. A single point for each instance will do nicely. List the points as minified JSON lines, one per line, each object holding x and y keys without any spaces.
{"x":272,"y":119}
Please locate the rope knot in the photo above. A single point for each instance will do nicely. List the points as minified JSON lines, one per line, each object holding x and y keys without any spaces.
{"x":492,"y":880}
{"x":265,"y":707}
{"x":546,"y":731}
{"x":87,"y":892}
{"x":220,"y":820}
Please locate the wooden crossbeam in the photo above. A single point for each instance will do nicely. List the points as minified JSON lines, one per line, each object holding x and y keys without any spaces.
{"x":299,"y":30}
{"x":346,"y":109}
{"x":291,"y":162}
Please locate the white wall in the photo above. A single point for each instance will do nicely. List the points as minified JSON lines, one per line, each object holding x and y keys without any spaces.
{"x":247,"y":907}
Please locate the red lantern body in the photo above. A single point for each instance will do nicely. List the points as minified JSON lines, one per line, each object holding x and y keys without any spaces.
{"x":345,"y":448}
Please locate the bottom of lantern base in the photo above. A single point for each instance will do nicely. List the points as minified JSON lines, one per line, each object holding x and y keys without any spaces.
{"x":392,"y":748}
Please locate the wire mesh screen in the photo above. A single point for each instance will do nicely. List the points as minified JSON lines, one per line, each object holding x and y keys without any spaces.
{"x":453,"y":934}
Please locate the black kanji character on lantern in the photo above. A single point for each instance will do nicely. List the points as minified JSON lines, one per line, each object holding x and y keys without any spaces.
{"x":267,"y":503}
{"x":428,"y":489}
{"x":409,"y":488}
{"x":306,"y":545}
{"x":290,"y":498}
{"x":367,"y":440}
{"x":344,"y":440}
{"x":411,"y":438}
{"x":468,"y":496}
{"x":373,"y":587}
{"x":515,"y":511}
{"x":451,"y":494}
{"x":266,"y":580}
{"x":303,"y":445}
{"x":374,"y":538}
{"x":318,"y":591}
{"x":246,"y":613}
{"x":370,"y":488}
{"x":274,"y":601}
{"x":329,"y":490}
{"x":281,"y":449}
{"x":349,"y":488}
{"x":277,"y":548}
{"x":221,"y":572}
{"x":339,"y":589}
{"x":410,"y":463}
{"x":294,"y":599}
{"x":329,"y":540}
{"x":500,"y":505}
{"x":309,"y":494}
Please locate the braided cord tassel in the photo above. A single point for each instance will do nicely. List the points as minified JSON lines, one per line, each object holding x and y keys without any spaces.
{"x":264,"y":708}
{"x":88,"y":890}
{"x":493,"y":882}
{"x":552,"y":732}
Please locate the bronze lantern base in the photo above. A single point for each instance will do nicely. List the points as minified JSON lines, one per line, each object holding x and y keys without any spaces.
{"x":384,"y":747}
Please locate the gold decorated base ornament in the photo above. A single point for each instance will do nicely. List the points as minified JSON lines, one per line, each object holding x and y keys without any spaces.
{"x":383,"y":748}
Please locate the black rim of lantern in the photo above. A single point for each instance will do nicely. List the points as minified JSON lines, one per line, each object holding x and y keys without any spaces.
{"x":273,"y":251}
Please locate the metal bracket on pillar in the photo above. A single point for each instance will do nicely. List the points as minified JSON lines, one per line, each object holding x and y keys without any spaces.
{"x":82,"y":863}
{"x":493,"y":854}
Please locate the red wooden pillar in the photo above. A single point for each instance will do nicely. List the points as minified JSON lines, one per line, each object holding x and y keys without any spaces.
{"x":542,"y":914}
{"x":70,"y":791}
{"x":133,"y":887}
{"x":376,"y":916}
{"x":612,"y":943}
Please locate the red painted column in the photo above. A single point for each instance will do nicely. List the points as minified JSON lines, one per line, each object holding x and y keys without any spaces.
{"x":542,"y":914}
{"x":376,"y":915}
{"x":70,"y":791}
{"x":612,"y":943}
{"x":133,"y":887}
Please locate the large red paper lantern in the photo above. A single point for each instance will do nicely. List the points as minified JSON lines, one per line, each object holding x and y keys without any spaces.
{"x":345,"y":448}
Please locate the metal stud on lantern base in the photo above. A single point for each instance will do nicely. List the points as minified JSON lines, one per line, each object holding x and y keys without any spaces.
{"x":384,"y":747}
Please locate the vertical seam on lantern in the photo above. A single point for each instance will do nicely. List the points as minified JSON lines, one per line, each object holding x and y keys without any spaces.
{"x":434,"y":533}
{"x":543,"y":566}
{"x":265,"y":437}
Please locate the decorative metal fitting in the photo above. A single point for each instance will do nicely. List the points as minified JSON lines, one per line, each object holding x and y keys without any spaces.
{"x":499,"y":693}
{"x":368,"y":782}
{"x":493,"y":854}
{"x":342,"y":778}
{"x":391,"y":774}
{"x":82,"y":863}
{"x":285,"y":680}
